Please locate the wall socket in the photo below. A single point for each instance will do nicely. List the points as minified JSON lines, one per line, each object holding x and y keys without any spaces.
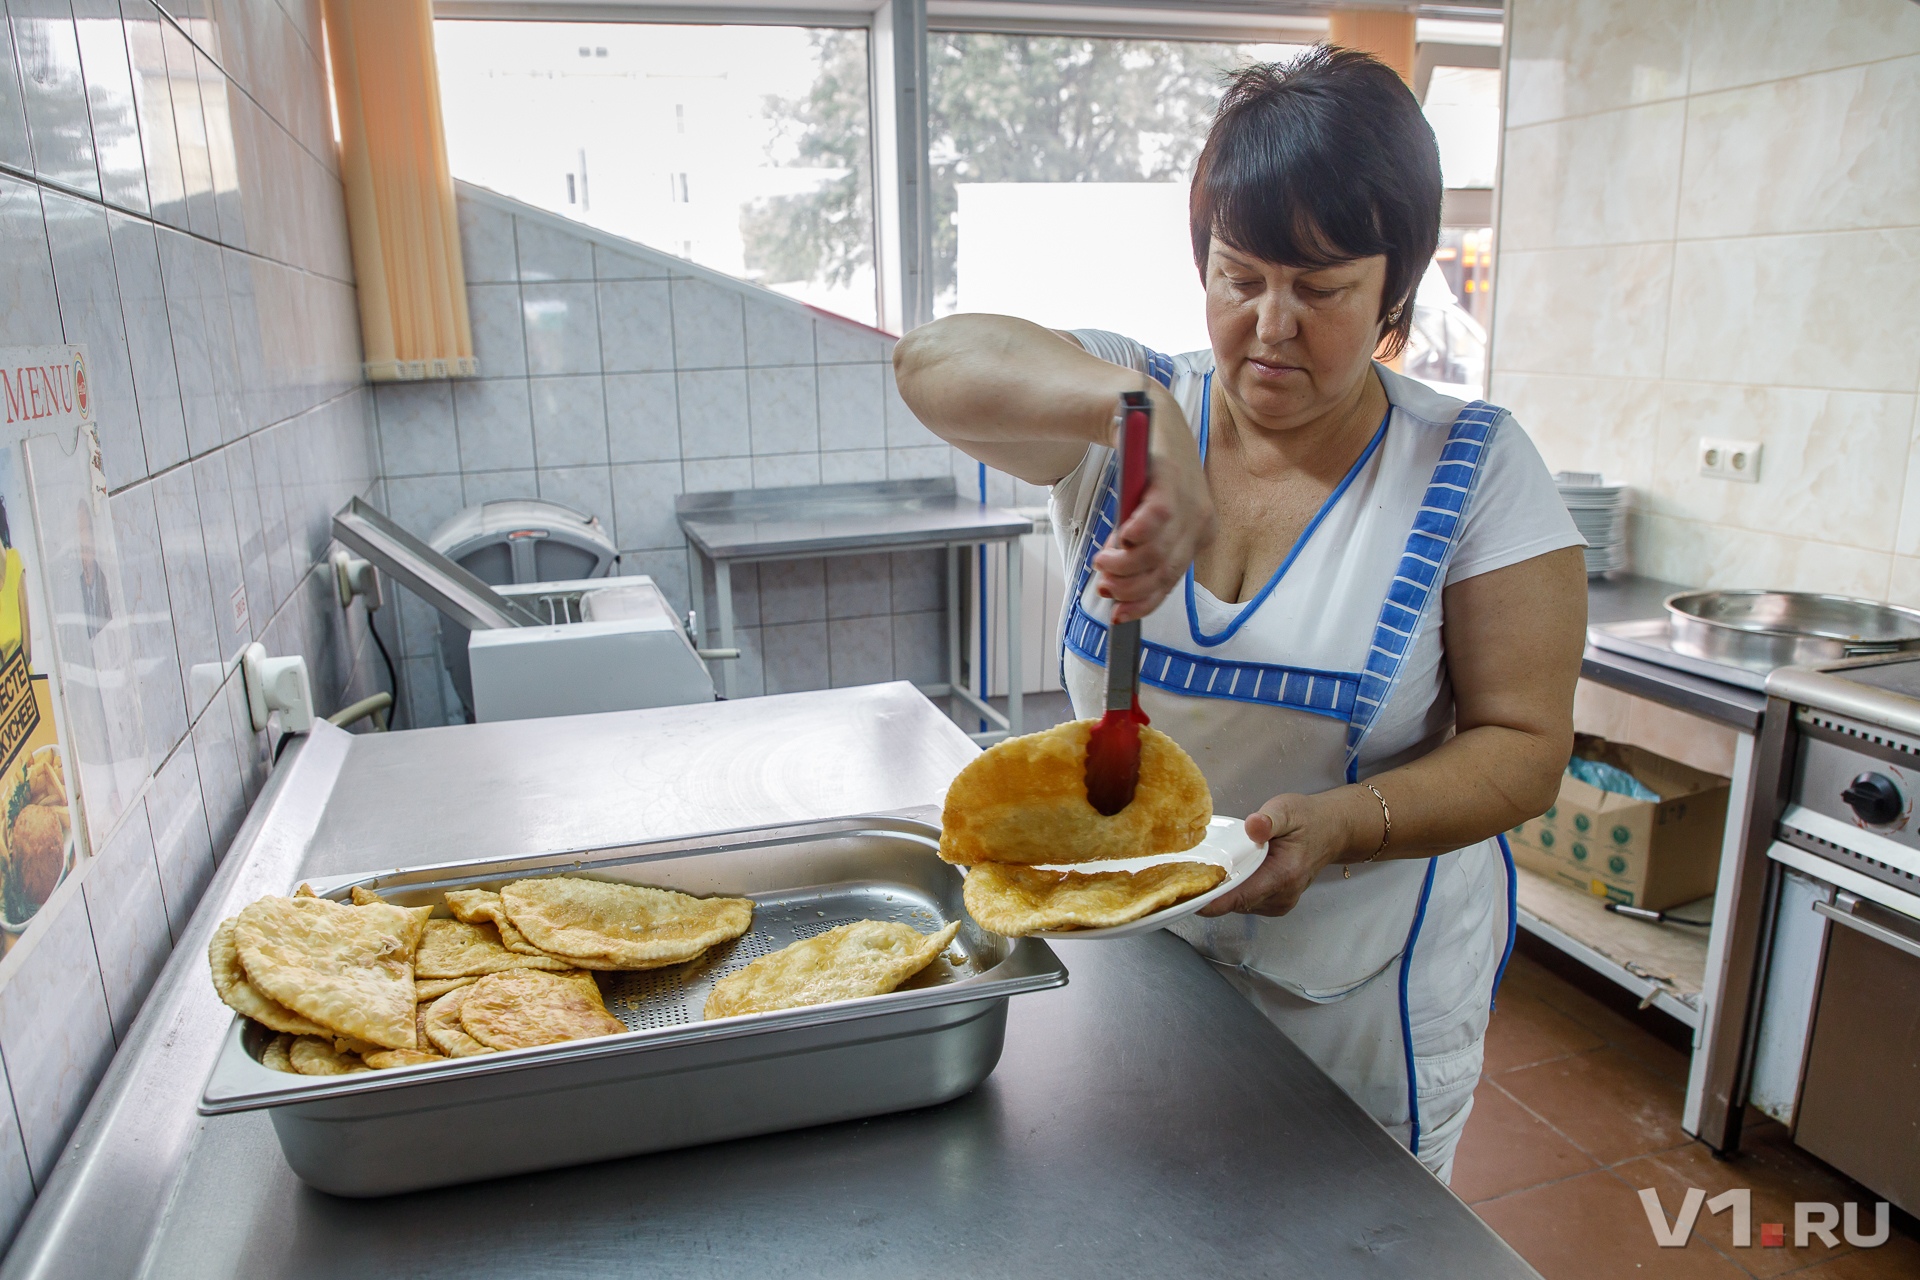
{"x":1730,"y":459}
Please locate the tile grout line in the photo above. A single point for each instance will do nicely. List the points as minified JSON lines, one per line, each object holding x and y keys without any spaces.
{"x":1691,"y":93}
{"x":61,"y":189}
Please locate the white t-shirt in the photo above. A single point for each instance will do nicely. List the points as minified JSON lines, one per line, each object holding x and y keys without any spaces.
{"x":1320,"y":613}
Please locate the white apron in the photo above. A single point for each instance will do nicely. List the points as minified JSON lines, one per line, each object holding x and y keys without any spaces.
{"x":1384,"y":979}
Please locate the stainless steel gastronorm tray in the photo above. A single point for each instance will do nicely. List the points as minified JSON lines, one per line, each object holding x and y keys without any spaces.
{"x":673,"y":1080}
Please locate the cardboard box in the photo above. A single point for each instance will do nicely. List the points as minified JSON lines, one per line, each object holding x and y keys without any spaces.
{"x":1633,"y":851}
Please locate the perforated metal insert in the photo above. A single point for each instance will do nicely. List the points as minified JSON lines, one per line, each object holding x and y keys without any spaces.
{"x":674,"y":996}
{"x":814,"y":928}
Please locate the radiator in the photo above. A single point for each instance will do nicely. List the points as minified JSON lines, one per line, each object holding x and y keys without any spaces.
{"x":1043,"y":591}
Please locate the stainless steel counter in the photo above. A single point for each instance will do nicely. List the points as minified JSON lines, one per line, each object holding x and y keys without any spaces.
{"x":1630,"y":598}
{"x":840,"y":519}
{"x":1143,"y":1121}
{"x":748,"y":526}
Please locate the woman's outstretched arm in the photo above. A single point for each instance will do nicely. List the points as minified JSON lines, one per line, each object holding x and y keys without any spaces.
{"x":1029,"y":401}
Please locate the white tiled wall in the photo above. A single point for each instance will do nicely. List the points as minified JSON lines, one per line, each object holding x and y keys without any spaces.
{"x":168,"y":196}
{"x":1710,"y":226}
{"x":612,"y":378}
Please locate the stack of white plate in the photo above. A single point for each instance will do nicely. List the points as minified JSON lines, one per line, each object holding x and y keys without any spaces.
{"x":1599,"y":511}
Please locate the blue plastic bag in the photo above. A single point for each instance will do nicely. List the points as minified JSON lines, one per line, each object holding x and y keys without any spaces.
{"x":1597,"y":773}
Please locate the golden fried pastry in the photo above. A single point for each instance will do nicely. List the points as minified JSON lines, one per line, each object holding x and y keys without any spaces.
{"x":427,"y":990}
{"x":442,"y":1023}
{"x":1016,"y":901}
{"x":456,"y":949}
{"x":866,"y":958}
{"x":527,"y":1007}
{"x":595,"y":924}
{"x":483,"y":906}
{"x":350,"y":969}
{"x":274,"y":1056}
{"x":1024,"y":800}
{"x":230,"y":983}
{"x":316,"y":1056}
{"x":387,"y":1058}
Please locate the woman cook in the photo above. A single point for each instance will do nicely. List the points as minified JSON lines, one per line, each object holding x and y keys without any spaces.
{"x":1363,"y":602}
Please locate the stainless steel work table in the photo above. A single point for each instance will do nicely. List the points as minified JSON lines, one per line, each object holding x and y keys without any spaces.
{"x":754,"y":526}
{"x":1144,"y":1120}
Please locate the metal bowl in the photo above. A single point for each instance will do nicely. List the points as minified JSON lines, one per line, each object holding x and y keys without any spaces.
{"x":1787,"y":628}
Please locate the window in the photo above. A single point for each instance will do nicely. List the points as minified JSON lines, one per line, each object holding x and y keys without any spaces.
{"x":1055,"y":160}
{"x":1463,"y":107}
{"x":1454,"y":306}
{"x":741,"y":148}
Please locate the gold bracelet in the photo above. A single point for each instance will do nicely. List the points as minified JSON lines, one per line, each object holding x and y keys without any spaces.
{"x":1386,"y":821}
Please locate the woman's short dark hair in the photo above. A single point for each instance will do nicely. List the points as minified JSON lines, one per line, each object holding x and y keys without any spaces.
{"x":1320,"y":160}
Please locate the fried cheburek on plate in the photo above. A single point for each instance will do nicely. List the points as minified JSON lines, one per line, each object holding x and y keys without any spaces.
{"x":596,"y":924}
{"x":865,"y":958}
{"x":1024,"y":800}
{"x":1015,"y":901}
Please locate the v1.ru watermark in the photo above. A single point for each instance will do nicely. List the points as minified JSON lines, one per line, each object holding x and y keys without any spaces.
{"x":1812,"y":1220}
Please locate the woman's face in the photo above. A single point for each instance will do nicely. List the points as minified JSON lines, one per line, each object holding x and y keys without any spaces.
{"x":1291,"y":344}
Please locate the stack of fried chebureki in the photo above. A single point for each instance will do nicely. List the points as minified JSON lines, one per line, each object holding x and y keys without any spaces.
{"x":370,"y":985}
{"x":1021,"y":808}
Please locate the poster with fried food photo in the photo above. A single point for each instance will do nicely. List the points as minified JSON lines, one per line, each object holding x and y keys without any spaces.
{"x":73,"y":749}
{"x":40,"y":841}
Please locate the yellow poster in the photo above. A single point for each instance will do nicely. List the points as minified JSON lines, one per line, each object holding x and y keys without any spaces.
{"x":36,"y":820}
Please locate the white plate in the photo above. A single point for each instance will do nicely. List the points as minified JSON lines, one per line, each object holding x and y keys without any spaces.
{"x":1226,"y":845}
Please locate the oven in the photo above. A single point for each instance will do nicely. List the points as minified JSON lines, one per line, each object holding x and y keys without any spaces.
{"x":1829,"y":1039}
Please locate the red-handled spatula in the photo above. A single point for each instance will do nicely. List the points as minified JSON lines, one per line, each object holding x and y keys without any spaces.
{"x":1113,"y":752}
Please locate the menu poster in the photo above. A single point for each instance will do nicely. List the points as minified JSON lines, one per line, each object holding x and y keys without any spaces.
{"x":92,"y":625}
{"x":41,"y":844}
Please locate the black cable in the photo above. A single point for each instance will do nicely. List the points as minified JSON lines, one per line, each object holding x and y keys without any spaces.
{"x":393,"y":680}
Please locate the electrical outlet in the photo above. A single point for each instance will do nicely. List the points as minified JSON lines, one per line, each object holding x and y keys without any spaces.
{"x":1723,"y":459}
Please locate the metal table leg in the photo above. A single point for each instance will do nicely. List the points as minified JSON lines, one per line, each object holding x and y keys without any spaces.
{"x":953,"y":619}
{"x":1014,"y":556}
{"x":723,"y":605}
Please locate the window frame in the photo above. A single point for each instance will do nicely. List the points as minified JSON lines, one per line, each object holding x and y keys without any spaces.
{"x":897,"y":32}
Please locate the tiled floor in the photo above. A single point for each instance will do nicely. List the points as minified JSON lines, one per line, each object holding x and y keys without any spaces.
{"x":1579,"y":1108}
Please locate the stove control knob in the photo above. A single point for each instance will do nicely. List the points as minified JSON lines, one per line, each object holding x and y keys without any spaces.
{"x":1874,"y":799}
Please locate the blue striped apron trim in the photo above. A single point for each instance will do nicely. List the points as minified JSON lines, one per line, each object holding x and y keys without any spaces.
{"x":1160,"y":368}
{"x":1326,"y":693}
{"x":1513,"y":920}
{"x":1406,"y":1012}
{"x":1252,"y":606}
{"x":1423,"y":564}
{"x":1339,"y":694}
